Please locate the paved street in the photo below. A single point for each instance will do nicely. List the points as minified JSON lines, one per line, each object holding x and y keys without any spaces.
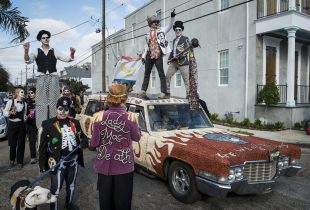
{"x":290,"y":193}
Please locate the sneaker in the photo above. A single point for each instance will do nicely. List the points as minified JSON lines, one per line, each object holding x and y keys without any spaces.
{"x":33,"y":161}
{"x":71,"y":206}
{"x":12,"y":164}
{"x":142,"y":93}
{"x":19,"y":166}
{"x":164,"y":96}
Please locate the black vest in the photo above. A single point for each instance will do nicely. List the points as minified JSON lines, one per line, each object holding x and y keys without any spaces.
{"x":18,"y":115}
{"x":46,"y":62}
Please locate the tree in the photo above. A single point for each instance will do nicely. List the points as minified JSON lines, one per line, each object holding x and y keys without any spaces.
{"x":269,"y":94}
{"x":12,"y":22}
{"x":4,"y":79}
{"x":75,"y":86}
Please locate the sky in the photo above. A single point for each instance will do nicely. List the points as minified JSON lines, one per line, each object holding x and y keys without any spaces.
{"x":57,"y":16}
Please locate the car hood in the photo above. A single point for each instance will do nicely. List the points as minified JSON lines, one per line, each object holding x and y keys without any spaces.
{"x":227,"y":147}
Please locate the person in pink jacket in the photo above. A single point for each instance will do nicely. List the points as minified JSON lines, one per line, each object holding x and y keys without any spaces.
{"x":114,"y":161}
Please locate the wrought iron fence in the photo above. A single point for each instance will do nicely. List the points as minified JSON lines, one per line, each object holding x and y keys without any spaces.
{"x":302,"y":94}
{"x":282,"y":92}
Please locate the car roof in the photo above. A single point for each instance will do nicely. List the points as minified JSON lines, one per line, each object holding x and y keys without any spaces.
{"x":135,"y":99}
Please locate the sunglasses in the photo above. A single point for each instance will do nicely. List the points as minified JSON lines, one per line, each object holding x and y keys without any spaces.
{"x":178,"y":30}
{"x":45,"y":38}
{"x":66,"y":109}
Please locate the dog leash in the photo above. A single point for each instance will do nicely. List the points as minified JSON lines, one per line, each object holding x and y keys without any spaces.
{"x":45,"y":173}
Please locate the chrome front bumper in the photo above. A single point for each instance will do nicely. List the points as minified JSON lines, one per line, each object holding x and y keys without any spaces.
{"x":215,"y":189}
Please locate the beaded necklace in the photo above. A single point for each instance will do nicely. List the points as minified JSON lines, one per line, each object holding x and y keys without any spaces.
{"x":72,"y":126}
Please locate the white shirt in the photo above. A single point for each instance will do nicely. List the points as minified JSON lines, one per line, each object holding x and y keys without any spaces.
{"x":58,"y":56}
{"x":19,"y":107}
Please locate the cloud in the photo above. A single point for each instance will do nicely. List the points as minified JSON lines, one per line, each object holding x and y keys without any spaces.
{"x":13,"y":57}
{"x":92,"y":11}
{"x":113,"y":16}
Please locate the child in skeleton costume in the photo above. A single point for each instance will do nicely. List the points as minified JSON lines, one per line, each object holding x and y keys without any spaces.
{"x":114,"y":162}
{"x":178,"y":59}
{"x":47,"y":77}
{"x":60,"y":136}
{"x":16,"y":110}
{"x":155,"y":48}
{"x":32,"y":129}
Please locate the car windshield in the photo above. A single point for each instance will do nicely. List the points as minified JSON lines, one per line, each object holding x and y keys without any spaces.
{"x":176,"y":117}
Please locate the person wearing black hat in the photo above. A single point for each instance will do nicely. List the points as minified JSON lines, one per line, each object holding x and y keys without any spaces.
{"x":178,"y":59}
{"x":32,"y":129}
{"x":47,"y":77}
{"x":155,"y":48}
{"x":62,"y":136}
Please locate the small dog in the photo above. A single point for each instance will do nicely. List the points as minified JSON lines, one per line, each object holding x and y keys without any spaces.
{"x":23,"y":198}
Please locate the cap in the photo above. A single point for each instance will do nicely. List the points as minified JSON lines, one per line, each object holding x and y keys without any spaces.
{"x":63,"y":101}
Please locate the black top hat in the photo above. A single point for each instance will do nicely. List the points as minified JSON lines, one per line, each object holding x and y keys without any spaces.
{"x":178,"y":24}
{"x":41,"y":33}
{"x":63,"y":101}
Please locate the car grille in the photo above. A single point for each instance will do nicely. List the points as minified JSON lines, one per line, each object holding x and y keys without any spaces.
{"x":260,"y":171}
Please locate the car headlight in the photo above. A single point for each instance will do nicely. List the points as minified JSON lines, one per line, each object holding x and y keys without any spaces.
{"x":235,"y":174}
{"x":294,"y":162}
{"x":2,"y":120}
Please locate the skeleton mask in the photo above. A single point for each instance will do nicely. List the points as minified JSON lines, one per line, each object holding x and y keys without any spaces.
{"x":178,"y":31}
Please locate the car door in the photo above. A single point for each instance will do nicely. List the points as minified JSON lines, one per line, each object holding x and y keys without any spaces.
{"x":140,"y":146}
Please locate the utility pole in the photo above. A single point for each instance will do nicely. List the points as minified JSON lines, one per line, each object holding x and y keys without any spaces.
{"x":21,"y":77}
{"x":103,"y":47}
{"x":32,"y":75}
{"x":27,"y":77}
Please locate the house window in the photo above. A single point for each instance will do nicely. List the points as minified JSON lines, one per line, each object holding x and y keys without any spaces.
{"x":178,"y":81}
{"x":158,"y":14}
{"x":223,"y":66}
{"x":224,"y":4}
{"x":153,"y":78}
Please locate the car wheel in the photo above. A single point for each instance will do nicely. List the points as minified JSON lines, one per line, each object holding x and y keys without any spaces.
{"x":182,"y":183}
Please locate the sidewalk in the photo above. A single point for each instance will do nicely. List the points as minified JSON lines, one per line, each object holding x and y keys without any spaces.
{"x":287,"y":136}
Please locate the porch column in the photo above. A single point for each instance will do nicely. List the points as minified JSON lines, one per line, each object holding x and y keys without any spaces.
{"x":291,"y":65}
{"x":292,"y":5}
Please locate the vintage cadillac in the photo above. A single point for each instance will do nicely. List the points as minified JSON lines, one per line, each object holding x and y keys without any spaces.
{"x":183,"y":147}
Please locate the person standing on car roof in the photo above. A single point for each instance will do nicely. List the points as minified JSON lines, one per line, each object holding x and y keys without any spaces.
{"x":32,"y":130}
{"x":114,"y":162}
{"x":16,"y":110}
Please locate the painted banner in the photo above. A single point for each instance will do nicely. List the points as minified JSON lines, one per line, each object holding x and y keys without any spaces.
{"x":127,"y":69}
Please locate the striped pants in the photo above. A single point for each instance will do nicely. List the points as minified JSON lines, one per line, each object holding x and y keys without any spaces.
{"x":47,"y":95}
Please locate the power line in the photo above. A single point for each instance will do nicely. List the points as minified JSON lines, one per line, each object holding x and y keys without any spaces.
{"x":212,"y":13}
{"x":189,"y":20}
{"x":164,"y":18}
{"x":2,"y":48}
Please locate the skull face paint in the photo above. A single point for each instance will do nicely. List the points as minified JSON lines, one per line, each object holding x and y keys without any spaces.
{"x":21,"y":94}
{"x":62,"y":112}
{"x":178,"y":31}
{"x":45,"y":39}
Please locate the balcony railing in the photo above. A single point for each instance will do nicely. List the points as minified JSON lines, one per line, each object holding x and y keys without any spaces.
{"x":282,"y":91}
{"x":272,"y":7}
{"x":302,"y":95}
